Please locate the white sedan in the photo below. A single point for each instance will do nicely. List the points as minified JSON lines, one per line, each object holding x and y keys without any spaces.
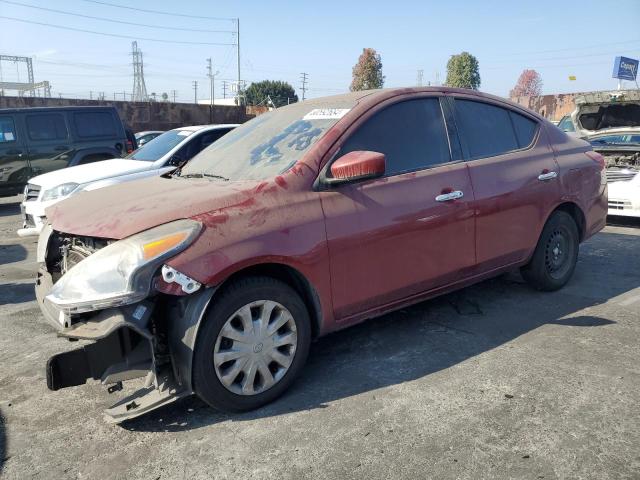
{"x":158,"y":156}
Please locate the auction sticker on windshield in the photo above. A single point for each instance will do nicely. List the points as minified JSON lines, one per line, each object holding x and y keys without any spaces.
{"x":326,"y":113}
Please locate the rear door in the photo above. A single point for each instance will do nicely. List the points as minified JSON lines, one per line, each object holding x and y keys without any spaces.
{"x":390,"y":238}
{"x":514,"y":177}
{"x":49,"y":141}
{"x":14,"y":167}
{"x":97,"y":128}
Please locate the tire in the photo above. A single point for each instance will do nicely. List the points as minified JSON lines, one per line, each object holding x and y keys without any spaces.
{"x":556,"y":254}
{"x":229,"y":312}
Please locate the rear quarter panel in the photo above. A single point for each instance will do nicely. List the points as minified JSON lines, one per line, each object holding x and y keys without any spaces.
{"x":581,"y":179}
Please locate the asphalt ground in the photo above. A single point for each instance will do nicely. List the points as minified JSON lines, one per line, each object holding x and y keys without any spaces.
{"x":494,"y":381}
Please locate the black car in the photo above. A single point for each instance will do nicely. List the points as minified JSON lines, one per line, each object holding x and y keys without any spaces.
{"x":34,"y":141}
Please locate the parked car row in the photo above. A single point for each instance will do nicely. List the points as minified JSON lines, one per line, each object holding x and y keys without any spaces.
{"x":34,"y":141}
{"x":611,"y":123}
{"x":214,"y":278}
{"x":162,"y":154}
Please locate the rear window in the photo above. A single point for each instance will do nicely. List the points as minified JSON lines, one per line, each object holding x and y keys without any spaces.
{"x":94,"y":124}
{"x":485,"y":129}
{"x":7,"y":130}
{"x":525,"y":129}
{"x":46,"y":126}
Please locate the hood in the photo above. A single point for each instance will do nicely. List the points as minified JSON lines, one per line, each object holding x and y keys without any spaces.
{"x":121,"y":210}
{"x":605,"y":112}
{"x":90,"y":172}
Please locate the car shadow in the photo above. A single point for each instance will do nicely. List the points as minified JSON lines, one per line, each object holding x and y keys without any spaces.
{"x":415,"y":342}
{"x":9,"y":209}
{"x":3,"y":442}
{"x":11,"y":293}
{"x":12,"y":253}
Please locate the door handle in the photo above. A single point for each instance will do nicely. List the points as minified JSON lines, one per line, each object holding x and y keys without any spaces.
{"x":446,"y":197}
{"x":544,"y":176}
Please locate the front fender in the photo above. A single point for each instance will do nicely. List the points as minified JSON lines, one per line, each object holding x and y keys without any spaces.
{"x":184,"y":322}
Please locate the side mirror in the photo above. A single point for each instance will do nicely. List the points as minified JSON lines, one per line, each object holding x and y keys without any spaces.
{"x":358,"y":165}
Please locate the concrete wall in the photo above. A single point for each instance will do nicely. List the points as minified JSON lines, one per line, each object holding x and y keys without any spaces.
{"x":553,"y":107}
{"x":141,"y":116}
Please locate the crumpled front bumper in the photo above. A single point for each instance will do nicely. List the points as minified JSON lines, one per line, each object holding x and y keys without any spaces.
{"x":123,"y":347}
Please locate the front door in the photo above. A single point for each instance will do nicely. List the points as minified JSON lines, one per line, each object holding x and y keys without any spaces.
{"x":48,"y":140}
{"x":14,"y":167}
{"x":395,"y":237}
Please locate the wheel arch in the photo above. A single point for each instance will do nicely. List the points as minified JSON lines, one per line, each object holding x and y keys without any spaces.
{"x":189,"y":312}
{"x":574,"y":210}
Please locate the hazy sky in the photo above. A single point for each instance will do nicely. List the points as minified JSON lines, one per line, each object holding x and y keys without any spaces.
{"x":281,"y":39}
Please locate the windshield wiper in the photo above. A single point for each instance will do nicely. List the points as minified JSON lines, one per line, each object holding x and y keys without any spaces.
{"x":204,"y":175}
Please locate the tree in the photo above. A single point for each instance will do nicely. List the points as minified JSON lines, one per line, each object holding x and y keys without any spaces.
{"x":281,"y":93}
{"x":463,"y":71}
{"x":529,"y":84}
{"x":367,"y":73}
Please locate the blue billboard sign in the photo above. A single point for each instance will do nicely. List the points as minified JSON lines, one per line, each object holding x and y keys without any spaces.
{"x":625,"y":68}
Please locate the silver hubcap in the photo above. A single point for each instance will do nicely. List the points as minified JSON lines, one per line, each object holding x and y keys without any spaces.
{"x":255,"y":347}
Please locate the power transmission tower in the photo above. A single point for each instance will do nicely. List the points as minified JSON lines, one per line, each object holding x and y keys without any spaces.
{"x":195,"y":91}
{"x":139,"y":87}
{"x":420,"y":77}
{"x":303,"y":79}
{"x":174,"y":93}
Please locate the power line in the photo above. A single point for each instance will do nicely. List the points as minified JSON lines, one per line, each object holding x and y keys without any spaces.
{"x":162,"y":27}
{"x":585,"y":47}
{"x":159,"y":12}
{"x":128,"y":37}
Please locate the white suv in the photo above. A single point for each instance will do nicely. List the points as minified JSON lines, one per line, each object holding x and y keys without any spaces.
{"x":157,"y":157}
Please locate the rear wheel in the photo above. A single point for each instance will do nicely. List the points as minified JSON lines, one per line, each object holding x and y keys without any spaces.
{"x":556,"y":254}
{"x":253,"y":344}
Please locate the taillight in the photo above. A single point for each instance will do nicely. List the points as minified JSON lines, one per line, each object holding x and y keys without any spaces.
{"x":129,"y":146}
{"x":596,"y":157}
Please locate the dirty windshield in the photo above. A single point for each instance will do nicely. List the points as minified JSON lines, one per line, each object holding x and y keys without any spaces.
{"x":269,"y":144}
{"x":161,"y":145}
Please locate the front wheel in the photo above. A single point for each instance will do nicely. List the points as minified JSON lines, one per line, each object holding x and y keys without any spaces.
{"x":253,"y":344}
{"x":556,"y":254}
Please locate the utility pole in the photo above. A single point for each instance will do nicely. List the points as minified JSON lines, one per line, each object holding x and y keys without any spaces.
{"x":419,"y":79}
{"x":195,"y":91}
{"x":224,"y":89}
{"x":238,"y":45}
{"x":303,"y":79}
{"x":174,"y":94}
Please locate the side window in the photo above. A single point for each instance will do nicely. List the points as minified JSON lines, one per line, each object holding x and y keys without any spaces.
{"x":525,"y":129}
{"x":94,"y":124}
{"x":411,"y":134}
{"x":7,"y":130}
{"x":566,"y":124}
{"x":46,"y":126}
{"x":210,"y":137}
{"x":485,"y":129}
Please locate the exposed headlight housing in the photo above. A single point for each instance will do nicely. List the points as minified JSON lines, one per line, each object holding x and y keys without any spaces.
{"x":121,"y":273}
{"x":59,"y":191}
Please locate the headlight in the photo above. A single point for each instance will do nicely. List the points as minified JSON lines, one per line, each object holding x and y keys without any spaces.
{"x":121,"y":273}
{"x":59,"y":191}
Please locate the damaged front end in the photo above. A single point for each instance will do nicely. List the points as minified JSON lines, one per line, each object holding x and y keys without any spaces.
{"x":107,"y":293}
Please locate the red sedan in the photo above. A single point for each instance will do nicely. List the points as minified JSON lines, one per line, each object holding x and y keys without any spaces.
{"x":305,"y":220}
